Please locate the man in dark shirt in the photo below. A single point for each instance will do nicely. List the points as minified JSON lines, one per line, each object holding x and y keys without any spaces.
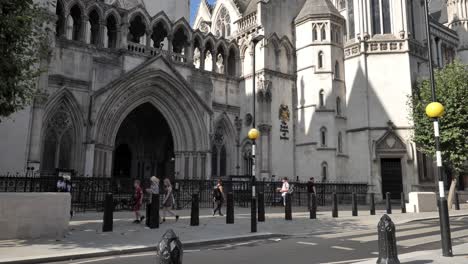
{"x":310,"y":189}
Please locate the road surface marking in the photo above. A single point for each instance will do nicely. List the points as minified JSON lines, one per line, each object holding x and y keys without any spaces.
{"x":348,"y":261}
{"x":366,"y":232}
{"x":429,"y":239}
{"x":343,"y":248}
{"x":191,"y":250}
{"x":399,"y":234}
{"x":94,"y":260}
{"x":307,"y":243}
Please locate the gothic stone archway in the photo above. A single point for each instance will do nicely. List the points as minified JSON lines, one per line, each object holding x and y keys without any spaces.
{"x":186,"y":114}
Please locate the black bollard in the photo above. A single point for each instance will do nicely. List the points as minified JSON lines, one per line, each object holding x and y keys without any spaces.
{"x":170,"y":249}
{"x":335,"y":206}
{"x":108,"y":220}
{"x":261,"y":207}
{"x":195,"y":213}
{"x":388,"y":203}
{"x":154,"y":212}
{"x":313,"y":206}
{"x":288,"y":208}
{"x":372,"y":204}
{"x":387,"y":241}
{"x":403,"y":203}
{"x":457,"y":201}
{"x":354,"y":201}
{"x":253,"y":215}
{"x":230,"y":208}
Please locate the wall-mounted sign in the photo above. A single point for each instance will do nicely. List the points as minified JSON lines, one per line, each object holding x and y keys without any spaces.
{"x":284,"y":117}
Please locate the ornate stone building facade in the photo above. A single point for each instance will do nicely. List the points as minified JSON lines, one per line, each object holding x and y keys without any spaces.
{"x":132,"y":90}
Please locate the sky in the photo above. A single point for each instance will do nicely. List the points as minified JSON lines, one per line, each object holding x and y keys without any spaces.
{"x":194,"y":7}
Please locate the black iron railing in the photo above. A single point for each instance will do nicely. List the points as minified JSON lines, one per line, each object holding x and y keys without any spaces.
{"x":89,"y":193}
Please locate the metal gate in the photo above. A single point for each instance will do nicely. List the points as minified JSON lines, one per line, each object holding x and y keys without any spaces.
{"x":392,"y":180}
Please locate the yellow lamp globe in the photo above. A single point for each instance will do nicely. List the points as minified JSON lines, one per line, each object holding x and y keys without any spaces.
{"x":434,"y":110}
{"x":253,"y":134}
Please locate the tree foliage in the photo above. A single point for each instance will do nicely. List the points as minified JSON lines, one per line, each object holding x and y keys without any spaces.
{"x":22,"y":40}
{"x":452,"y":92}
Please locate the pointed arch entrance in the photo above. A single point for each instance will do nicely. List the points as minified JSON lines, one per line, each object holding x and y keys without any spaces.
{"x":144,"y":98}
{"x":144,"y":145}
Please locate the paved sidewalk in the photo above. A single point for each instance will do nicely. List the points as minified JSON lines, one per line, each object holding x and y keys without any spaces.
{"x":431,"y":256}
{"x":85,"y":237}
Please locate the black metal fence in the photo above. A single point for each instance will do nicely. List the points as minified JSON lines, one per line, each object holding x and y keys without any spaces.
{"x":89,"y":193}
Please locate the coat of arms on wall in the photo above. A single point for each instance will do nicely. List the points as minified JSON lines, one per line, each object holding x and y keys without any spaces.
{"x":284,"y":116}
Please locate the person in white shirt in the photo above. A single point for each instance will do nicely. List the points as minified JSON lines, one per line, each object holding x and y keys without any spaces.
{"x":284,"y":189}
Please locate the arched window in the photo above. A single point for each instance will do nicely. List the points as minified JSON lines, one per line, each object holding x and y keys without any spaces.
{"x":232,"y":66}
{"x":58,"y":142}
{"x":322,"y":98}
{"x":219,"y":153}
{"x":222,"y":161}
{"x":324,"y":171}
{"x":338,"y":106}
{"x":320,"y":60}
{"x":351,"y":30}
{"x":111,"y":32}
{"x":137,"y":30}
{"x":323,"y":136}
{"x":93,"y":37}
{"x":323,"y":32}
{"x":220,"y":60}
{"x":381,"y":17}
{"x":337,"y":70}
{"x":74,"y":23}
{"x":340,"y":143}
{"x":159,"y":36}
{"x":214,"y":161}
{"x":314,"y":33}
{"x":223,"y":24}
{"x":60,"y":25}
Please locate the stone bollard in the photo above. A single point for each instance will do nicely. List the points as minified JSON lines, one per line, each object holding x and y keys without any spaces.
{"x":372,"y":204}
{"x":195,"y":212}
{"x":403,"y":203}
{"x":261,"y":207}
{"x":387,"y":241}
{"x":108,"y":218}
{"x":457,"y":201}
{"x":288,"y":208}
{"x":313,"y":206}
{"x":335,"y":206}
{"x":388,"y":202}
{"x":230,"y":208}
{"x":170,"y":249}
{"x":154,"y":212}
{"x":354,"y":201}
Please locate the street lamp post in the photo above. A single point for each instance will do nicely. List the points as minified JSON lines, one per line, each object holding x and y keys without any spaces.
{"x":435,"y":110}
{"x":253,"y":135}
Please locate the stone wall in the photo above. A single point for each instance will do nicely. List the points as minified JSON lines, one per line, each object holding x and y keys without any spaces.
{"x":34,"y":215}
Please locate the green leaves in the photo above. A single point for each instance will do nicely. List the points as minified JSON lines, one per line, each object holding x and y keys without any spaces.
{"x":22,"y":38}
{"x":452,"y":92}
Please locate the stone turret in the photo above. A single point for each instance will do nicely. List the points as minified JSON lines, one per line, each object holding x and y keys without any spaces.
{"x":457,"y":12}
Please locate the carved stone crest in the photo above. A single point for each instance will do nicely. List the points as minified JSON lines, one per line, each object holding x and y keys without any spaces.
{"x":284,"y":114}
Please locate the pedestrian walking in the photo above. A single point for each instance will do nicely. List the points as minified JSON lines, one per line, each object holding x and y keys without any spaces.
{"x":218,"y":197}
{"x":153,"y":189}
{"x":137,"y":201}
{"x":64,"y":185}
{"x":311,"y":189}
{"x":168,"y":200}
{"x":284,"y":189}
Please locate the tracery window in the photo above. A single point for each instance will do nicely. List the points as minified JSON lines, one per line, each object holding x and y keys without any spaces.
{"x":323,"y":136}
{"x":219,"y":154}
{"x":58,"y":142}
{"x":320,"y":60}
{"x":340,"y":143}
{"x":223,"y":24}
{"x":324,"y":171}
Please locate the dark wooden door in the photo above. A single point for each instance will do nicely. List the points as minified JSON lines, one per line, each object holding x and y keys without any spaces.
{"x":392,"y":180}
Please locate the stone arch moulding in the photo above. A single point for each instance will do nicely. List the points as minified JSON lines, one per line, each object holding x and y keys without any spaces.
{"x":184,"y":111}
{"x":64,"y":101}
{"x":390,"y":143}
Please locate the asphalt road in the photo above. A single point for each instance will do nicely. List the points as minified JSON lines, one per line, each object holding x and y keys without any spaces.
{"x":337,"y":248}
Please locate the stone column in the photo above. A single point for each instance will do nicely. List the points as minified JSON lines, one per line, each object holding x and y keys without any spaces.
{"x":265,"y":154}
{"x":123,"y":36}
{"x":202,"y":58}
{"x":149,"y":33}
{"x":195,"y":165}
{"x":102,"y":35}
{"x":203,"y":166}
{"x":170,"y":38}
{"x":189,"y":53}
{"x":84,"y":29}
{"x":213,"y":59}
{"x":89,"y":159}
{"x":69,"y":27}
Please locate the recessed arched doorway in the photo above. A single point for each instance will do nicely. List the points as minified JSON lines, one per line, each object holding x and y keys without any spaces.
{"x":144,"y":145}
